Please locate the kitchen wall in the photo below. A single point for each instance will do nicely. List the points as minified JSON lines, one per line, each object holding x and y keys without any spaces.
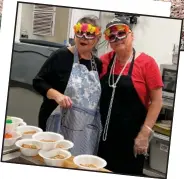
{"x":105,"y":17}
{"x":76,"y":15}
{"x":61,"y":24}
{"x":154,"y":36}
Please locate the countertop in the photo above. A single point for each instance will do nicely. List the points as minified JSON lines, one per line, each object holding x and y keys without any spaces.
{"x":13,"y":155}
{"x":17,"y":157}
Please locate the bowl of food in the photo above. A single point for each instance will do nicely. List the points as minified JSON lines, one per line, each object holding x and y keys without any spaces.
{"x":48,"y":140}
{"x":10,"y":138}
{"x":28,"y":131}
{"x":89,"y":162}
{"x":55,"y":157}
{"x":28,"y":147}
{"x":65,"y":145}
{"x":13,"y":122}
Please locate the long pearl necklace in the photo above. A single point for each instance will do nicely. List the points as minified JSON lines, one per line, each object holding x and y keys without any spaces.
{"x":113,"y":85}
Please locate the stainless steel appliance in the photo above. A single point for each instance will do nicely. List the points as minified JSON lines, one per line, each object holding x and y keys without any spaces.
{"x":28,"y":57}
{"x":169,"y":77}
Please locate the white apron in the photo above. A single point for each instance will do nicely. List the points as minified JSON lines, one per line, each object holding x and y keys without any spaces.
{"x":80,"y":124}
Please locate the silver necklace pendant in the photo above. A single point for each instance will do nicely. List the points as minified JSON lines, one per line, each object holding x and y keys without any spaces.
{"x":113,"y":86}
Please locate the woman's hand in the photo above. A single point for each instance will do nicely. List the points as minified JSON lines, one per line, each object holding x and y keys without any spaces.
{"x":143,"y":138}
{"x":142,"y":141}
{"x":63,"y":101}
{"x":141,"y":144}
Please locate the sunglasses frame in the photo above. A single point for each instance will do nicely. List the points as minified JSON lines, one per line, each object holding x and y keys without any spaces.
{"x":84,"y":35}
{"x":117,"y":27}
{"x":118,"y":38}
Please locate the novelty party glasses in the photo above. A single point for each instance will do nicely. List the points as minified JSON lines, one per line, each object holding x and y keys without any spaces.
{"x":87,"y":31}
{"x":85,"y":35}
{"x":116,"y":32}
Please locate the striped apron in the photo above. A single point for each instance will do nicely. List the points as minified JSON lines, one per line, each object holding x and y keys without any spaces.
{"x":81,"y":123}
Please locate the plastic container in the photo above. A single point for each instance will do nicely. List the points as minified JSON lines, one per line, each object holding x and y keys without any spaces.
{"x":159,"y":147}
{"x":11,"y":141}
{"x":9,"y":125}
{"x":13,"y":122}
{"x":163,"y":129}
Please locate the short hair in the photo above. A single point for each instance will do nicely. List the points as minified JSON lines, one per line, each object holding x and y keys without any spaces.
{"x":91,"y":19}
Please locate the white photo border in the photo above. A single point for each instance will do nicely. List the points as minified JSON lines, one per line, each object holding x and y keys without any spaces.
{"x":7,"y":35}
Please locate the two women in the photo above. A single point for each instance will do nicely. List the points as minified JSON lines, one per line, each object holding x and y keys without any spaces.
{"x":130,"y":101}
{"x":69,"y":82}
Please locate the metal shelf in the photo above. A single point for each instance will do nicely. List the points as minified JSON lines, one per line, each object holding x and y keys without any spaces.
{"x":11,"y":149}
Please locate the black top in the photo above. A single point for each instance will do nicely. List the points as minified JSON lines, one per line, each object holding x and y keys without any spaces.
{"x":55,"y":74}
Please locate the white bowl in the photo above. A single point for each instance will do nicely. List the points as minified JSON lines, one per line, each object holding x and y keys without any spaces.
{"x":65,"y":145}
{"x":15,"y":123}
{"x":26,"y":151}
{"x":23,"y":129}
{"x":11,"y":141}
{"x":48,"y":136}
{"x":89,"y":159}
{"x":54,"y":162}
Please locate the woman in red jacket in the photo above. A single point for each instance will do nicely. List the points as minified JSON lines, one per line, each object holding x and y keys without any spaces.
{"x":130,"y":103}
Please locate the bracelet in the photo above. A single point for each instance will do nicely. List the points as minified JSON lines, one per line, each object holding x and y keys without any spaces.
{"x":148,"y":128}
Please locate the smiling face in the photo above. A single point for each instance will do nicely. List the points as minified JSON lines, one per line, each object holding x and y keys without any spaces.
{"x":86,"y":36}
{"x":123,"y":44}
{"x":119,"y":37}
{"x":87,"y":33}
